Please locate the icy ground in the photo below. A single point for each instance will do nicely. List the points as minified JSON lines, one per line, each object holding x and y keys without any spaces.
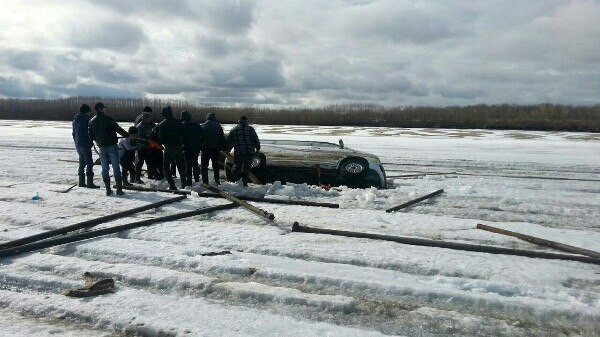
{"x":293,"y":284}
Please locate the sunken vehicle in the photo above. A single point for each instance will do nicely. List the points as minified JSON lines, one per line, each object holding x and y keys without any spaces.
{"x":315,"y":163}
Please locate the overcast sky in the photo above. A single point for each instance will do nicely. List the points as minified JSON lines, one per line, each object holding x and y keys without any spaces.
{"x":304,"y":52}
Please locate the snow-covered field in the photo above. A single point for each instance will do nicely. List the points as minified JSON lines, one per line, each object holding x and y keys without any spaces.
{"x":279,"y":283}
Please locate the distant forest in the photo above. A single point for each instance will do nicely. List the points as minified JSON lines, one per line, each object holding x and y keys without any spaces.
{"x":545,"y":117}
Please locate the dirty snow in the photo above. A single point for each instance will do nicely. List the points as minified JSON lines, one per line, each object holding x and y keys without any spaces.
{"x":275,"y":282}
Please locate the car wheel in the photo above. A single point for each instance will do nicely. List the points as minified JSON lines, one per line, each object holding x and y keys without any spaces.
{"x":354,"y":168}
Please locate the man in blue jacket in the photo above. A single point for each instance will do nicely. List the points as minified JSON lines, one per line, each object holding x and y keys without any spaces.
{"x":103,"y":129}
{"x":83,"y":144}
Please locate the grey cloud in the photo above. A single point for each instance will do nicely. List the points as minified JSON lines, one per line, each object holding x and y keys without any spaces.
{"x":458,"y":91}
{"x":170,"y":9}
{"x":24,"y":60}
{"x":115,"y":35}
{"x":261,"y":74}
{"x":230,"y":16}
{"x":399,"y":23}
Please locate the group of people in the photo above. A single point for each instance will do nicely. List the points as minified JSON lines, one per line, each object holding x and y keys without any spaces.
{"x":173,"y":144}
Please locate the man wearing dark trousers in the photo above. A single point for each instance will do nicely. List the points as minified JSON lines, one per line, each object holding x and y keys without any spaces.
{"x":83,"y":144}
{"x":214,"y":142}
{"x":170,"y":133}
{"x":144,"y":126}
{"x":103,"y":129}
{"x":244,"y":140}
{"x":192,"y":142}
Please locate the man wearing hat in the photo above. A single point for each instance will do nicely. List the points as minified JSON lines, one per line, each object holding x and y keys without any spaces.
{"x":103,"y":130}
{"x":83,"y":144}
{"x":214,"y":142}
{"x":144,"y":126}
{"x":245,"y":141}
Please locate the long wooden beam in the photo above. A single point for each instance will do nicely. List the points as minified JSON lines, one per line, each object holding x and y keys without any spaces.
{"x":414,"y":201}
{"x":246,"y":198}
{"x":444,"y":244}
{"x":87,"y":223}
{"x":105,"y":231}
{"x":541,"y":242}
{"x":240,"y":202}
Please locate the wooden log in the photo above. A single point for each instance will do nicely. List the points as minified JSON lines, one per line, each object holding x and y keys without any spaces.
{"x":105,"y":231}
{"x":231,"y":159}
{"x":541,"y":242}
{"x":412,"y":202}
{"x":148,"y":189}
{"x":444,"y":244}
{"x":216,"y":195}
{"x":87,"y":223}
{"x":419,"y":175}
{"x":240,"y":202}
{"x":275,"y":201}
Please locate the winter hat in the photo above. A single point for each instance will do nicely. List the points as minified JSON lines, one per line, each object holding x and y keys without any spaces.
{"x":85,"y":108}
{"x":99,"y":106}
{"x":211,"y":116}
{"x":185,"y":116}
{"x":167,"y":112}
{"x":243,"y":119}
{"x":147,"y":109}
{"x":132,"y":130}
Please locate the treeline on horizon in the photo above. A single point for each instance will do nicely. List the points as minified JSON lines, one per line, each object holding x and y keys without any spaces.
{"x":543,"y":117}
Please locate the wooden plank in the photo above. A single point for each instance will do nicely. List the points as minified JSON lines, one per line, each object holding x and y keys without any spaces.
{"x":105,"y":231}
{"x":541,"y":242}
{"x":414,"y":201}
{"x":444,"y":244}
{"x":240,"y":202}
{"x":245,"y":198}
{"x":87,"y":223}
{"x":252,"y":177}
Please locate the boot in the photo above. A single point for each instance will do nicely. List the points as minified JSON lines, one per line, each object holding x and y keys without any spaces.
{"x":119,"y":181}
{"x":107,"y":185}
{"x":217,"y":179}
{"x":81,"y":180}
{"x":172,"y":185}
{"x":90,"y":182}
{"x":125,"y":182}
{"x":137,"y":179}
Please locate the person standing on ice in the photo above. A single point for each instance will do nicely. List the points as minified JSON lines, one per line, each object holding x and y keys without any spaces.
{"x":244,"y":140}
{"x":103,"y":130}
{"x":214,"y":142}
{"x":83,"y":144}
{"x":144,"y":126}
{"x":170,"y":132}
{"x":127,"y":148}
{"x":192,"y":143}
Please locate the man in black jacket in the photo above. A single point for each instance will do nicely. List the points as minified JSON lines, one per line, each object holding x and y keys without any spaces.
{"x":83,"y":144}
{"x":214,"y":142}
{"x":245,"y":141}
{"x":144,"y":125}
{"x":170,"y":133}
{"x":103,"y":129}
{"x":192,"y":142}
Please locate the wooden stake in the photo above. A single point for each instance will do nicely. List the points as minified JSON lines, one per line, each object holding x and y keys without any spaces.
{"x":87,"y":223}
{"x":242,"y":203}
{"x":444,"y":244}
{"x":105,"y":231}
{"x":412,"y":202}
{"x":541,"y":242}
